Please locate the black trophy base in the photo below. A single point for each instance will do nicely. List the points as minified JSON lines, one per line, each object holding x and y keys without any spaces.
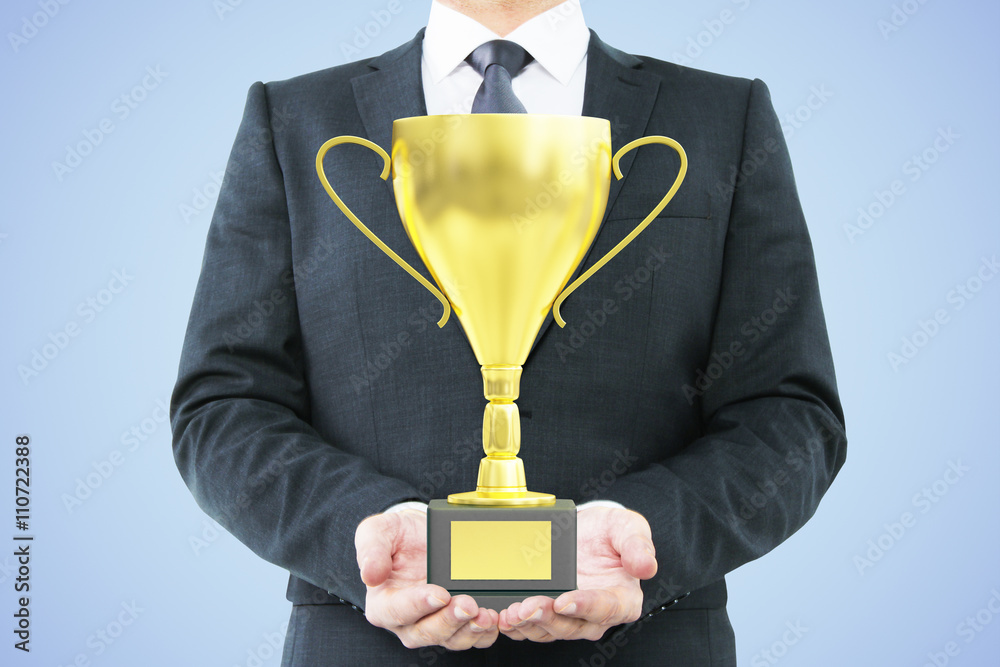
{"x":502,"y":555}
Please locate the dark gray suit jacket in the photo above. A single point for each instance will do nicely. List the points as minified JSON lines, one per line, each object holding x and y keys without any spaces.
{"x":694,"y":383}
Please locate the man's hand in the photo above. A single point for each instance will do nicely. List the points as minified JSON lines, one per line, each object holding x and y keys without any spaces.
{"x":614,"y":551}
{"x":392,"y":556}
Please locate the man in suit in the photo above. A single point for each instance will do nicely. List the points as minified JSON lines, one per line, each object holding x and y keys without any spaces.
{"x":693,"y":395}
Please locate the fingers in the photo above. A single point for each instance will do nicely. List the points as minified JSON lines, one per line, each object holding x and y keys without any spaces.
{"x":632,"y":539}
{"x":637,"y":554}
{"x":535,"y":619}
{"x":605,"y":607}
{"x":426,"y":615}
{"x":532,"y":620}
{"x":505,"y":623}
{"x":479,"y":632}
{"x":420,"y":614}
{"x":491,"y":632}
{"x":615,"y":596}
{"x":374,"y":540}
{"x":458,"y":626}
{"x":400,"y":607}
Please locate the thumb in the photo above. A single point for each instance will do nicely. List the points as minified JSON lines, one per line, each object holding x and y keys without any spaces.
{"x":633,"y":542}
{"x":374,"y":542}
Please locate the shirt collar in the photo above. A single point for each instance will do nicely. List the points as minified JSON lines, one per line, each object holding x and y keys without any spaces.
{"x":558,"y":39}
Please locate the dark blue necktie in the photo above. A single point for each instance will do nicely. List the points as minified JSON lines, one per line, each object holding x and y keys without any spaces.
{"x":498,"y":61}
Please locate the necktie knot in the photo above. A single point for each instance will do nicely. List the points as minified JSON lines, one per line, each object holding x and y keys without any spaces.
{"x":498,"y":62}
{"x":509,"y":55}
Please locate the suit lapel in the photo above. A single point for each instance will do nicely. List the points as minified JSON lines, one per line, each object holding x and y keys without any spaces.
{"x":393,"y":89}
{"x":616,"y":88}
{"x":619,"y":90}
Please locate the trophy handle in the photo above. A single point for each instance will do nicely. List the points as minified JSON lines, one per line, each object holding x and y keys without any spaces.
{"x":642,"y":225}
{"x":346,"y":139}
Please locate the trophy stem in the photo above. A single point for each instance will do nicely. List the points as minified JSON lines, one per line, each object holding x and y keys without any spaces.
{"x":501,"y":473}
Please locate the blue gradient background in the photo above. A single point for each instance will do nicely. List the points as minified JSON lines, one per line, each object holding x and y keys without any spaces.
{"x":131,"y":540}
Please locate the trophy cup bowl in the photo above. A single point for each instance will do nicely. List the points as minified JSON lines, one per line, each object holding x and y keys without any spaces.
{"x":501,"y":209}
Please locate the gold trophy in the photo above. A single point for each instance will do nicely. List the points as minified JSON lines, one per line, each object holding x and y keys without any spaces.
{"x":501,"y":208}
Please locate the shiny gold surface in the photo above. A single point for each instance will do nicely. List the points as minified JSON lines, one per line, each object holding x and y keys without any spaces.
{"x":496,"y":499}
{"x":501,"y":382}
{"x":501,"y":208}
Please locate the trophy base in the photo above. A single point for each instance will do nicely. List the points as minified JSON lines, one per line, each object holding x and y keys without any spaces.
{"x":499,"y":602}
{"x":502,"y":499}
{"x":502,"y":555}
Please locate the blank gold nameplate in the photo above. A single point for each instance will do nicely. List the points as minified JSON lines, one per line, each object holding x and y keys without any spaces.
{"x":501,"y":550}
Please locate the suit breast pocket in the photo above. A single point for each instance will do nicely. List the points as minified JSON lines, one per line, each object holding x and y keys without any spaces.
{"x":636,"y":203}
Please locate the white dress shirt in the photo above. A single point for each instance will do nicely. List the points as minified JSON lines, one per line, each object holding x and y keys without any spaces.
{"x":551,"y":84}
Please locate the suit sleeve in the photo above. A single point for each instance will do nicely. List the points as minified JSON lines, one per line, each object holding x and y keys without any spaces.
{"x":773,"y":435}
{"x":240,"y":408}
